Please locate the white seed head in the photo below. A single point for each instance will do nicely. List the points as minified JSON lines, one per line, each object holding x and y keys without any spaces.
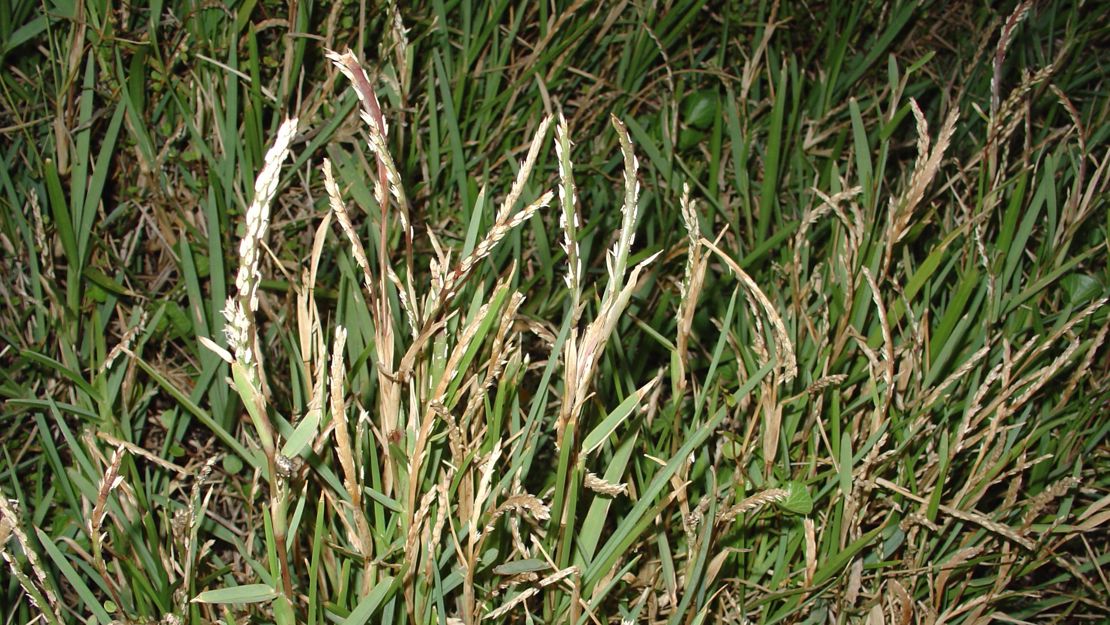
{"x":258,"y":216}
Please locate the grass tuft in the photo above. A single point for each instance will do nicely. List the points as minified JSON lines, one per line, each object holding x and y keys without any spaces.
{"x":575,"y":313}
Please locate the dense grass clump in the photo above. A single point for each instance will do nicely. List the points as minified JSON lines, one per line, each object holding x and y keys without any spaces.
{"x":526,"y":312}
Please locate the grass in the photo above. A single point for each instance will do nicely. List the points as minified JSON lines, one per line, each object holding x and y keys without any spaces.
{"x":553,"y":313}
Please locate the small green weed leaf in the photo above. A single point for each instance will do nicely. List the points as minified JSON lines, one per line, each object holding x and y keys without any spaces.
{"x":1081,"y":288}
{"x":179,"y":323}
{"x":732,"y":448}
{"x":699,"y":108}
{"x":232,"y":464}
{"x":688,"y":138}
{"x":797,"y":499}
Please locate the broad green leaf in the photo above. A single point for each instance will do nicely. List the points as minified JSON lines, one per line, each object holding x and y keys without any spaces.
{"x":521,"y":566}
{"x":1081,"y":288}
{"x":797,"y":499}
{"x":700,"y":108}
{"x":249,"y":593}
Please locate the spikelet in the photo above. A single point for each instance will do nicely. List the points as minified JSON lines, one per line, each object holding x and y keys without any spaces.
{"x":690,"y":287}
{"x":583,"y":351}
{"x":124,"y":345}
{"x":810,"y":550}
{"x":558,"y":576}
{"x":237,"y":331}
{"x":617,"y":259}
{"x":568,"y":216}
{"x":901,"y":208}
{"x":525,"y":170}
{"x":784,"y":348}
{"x":458,"y":275}
{"x":956,"y":375}
{"x":1038,"y":502}
{"x":484,"y":482}
{"x":258,"y":216}
{"x":9,"y":527}
{"x":888,"y":338}
{"x":751,"y":504}
{"x":339,"y":209}
{"x":510,"y":604}
{"x":400,"y":47}
{"x":1006,"y":37}
{"x":601,"y":486}
{"x":111,"y":480}
{"x":378,"y":128}
{"x":531,"y":504}
{"x":40,"y":234}
{"x":339,"y":412}
{"x":240,"y":310}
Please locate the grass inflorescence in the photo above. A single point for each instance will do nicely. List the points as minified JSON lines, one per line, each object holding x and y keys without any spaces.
{"x":554,"y":313}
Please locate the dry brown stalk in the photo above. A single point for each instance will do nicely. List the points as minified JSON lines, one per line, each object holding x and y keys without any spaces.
{"x":344,"y":447}
{"x":784,"y":349}
{"x":971,"y":517}
{"x":901,"y":210}
{"x":509,"y":605}
{"x":752,"y":504}
{"x":339,"y":209}
{"x":693,"y":279}
{"x":583,"y":349}
{"x":888,"y":352}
